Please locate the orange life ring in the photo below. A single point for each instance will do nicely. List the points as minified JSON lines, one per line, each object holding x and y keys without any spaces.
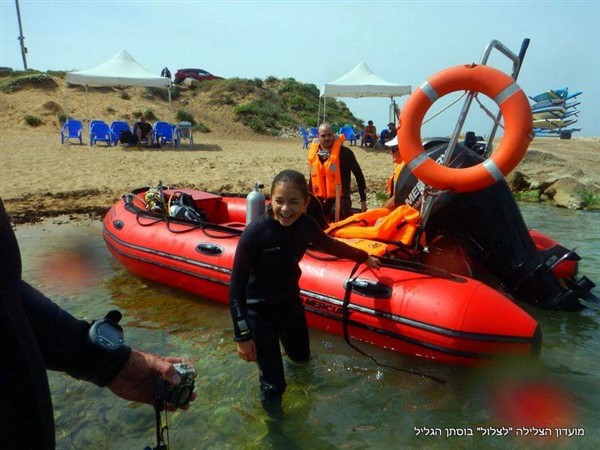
{"x":518,"y":127}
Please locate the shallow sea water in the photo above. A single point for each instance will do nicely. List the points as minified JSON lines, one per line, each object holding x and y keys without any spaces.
{"x":341,"y":400}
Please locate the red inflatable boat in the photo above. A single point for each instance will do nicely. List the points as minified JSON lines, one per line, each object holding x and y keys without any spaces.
{"x":407,"y":307}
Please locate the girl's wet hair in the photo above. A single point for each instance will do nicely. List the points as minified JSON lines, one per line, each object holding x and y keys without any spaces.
{"x":292,"y":176}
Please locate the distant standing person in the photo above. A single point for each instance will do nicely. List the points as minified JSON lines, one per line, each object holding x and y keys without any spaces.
{"x":264,"y":294}
{"x":370,"y":137}
{"x":142,"y":130}
{"x":331,"y":164}
{"x":166,"y":73}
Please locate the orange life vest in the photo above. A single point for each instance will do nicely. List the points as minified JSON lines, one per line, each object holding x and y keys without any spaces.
{"x":325,"y":176}
{"x":379,"y":223}
{"x":391,"y":181}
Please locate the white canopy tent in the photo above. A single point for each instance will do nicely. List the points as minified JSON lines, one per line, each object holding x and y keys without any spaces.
{"x":120,"y":70}
{"x":361,"y":82}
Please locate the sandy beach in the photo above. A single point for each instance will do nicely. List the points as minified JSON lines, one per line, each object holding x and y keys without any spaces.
{"x":39,"y":177}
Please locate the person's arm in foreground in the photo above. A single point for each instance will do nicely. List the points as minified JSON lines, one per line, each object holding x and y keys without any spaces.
{"x":136,"y":381}
{"x":65,"y":346}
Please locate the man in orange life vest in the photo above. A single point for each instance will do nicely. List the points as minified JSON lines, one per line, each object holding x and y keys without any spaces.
{"x":331,"y":164}
{"x":392,"y":181}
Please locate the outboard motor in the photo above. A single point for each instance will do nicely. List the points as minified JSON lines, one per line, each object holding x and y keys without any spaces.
{"x":255,"y":203}
{"x":489,"y":230}
{"x":474,"y":142}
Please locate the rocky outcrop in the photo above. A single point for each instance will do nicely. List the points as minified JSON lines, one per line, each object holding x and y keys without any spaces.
{"x":558,"y":176}
{"x":566,"y":192}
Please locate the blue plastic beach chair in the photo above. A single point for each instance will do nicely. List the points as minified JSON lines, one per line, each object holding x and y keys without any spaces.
{"x":100,"y":132}
{"x":72,"y":129}
{"x":306,"y":139}
{"x":164,"y":132}
{"x":116,"y":128}
{"x":348,"y":131}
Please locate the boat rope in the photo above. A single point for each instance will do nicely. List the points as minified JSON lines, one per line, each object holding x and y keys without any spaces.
{"x":163,"y":217}
{"x":449,"y":106}
{"x":481,"y":105}
{"x":402,"y":264}
{"x":346,"y":320}
{"x":147,"y":224}
{"x":488,"y":112}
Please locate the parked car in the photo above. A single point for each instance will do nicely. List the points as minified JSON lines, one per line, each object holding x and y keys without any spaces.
{"x":197,"y":74}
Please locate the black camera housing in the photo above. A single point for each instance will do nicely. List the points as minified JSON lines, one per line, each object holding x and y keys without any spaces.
{"x":170,"y":394}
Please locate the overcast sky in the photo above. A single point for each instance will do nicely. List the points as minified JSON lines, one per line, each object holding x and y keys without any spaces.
{"x":315,"y":42}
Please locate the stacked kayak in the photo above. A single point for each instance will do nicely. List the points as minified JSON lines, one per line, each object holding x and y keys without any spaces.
{"x":553,"y":113}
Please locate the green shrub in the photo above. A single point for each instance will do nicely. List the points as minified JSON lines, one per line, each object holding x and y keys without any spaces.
{"x":124,"y":95}
{"x":381,"y":197}
{"x":161,"y":93}
{"x":239,"y":86}
{"x":110,"y":110}
{"x":6,"y":71}
{"x":62,"y":118}
{"x":308,"y":119}
{"x":265,"y":115}
{"x":589,"y":199}
{"x":201,"y":128}
{"x":297,"y":102}
{"x":32,"y":121}
{"x":226,"y":100}
{"x":56,"y":73}
{"x":532,"y":196}
{"x":273,"y":105}
{"x":184,"y":116}
{"x":149,"y":114}
{"x":52,"y":106}
{"x":39,"y":80}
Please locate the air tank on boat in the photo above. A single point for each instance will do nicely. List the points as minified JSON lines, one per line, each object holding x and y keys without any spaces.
{"x":255,"y":203}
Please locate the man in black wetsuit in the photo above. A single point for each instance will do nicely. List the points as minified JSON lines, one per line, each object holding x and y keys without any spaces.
{"x":35,"y":335}
{"x":333,"y":164}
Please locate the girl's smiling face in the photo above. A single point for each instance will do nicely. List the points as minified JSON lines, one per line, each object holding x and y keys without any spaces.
{"x":288,"y":203}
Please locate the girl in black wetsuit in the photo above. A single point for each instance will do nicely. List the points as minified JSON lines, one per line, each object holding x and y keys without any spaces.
{"x":264,"y":294}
